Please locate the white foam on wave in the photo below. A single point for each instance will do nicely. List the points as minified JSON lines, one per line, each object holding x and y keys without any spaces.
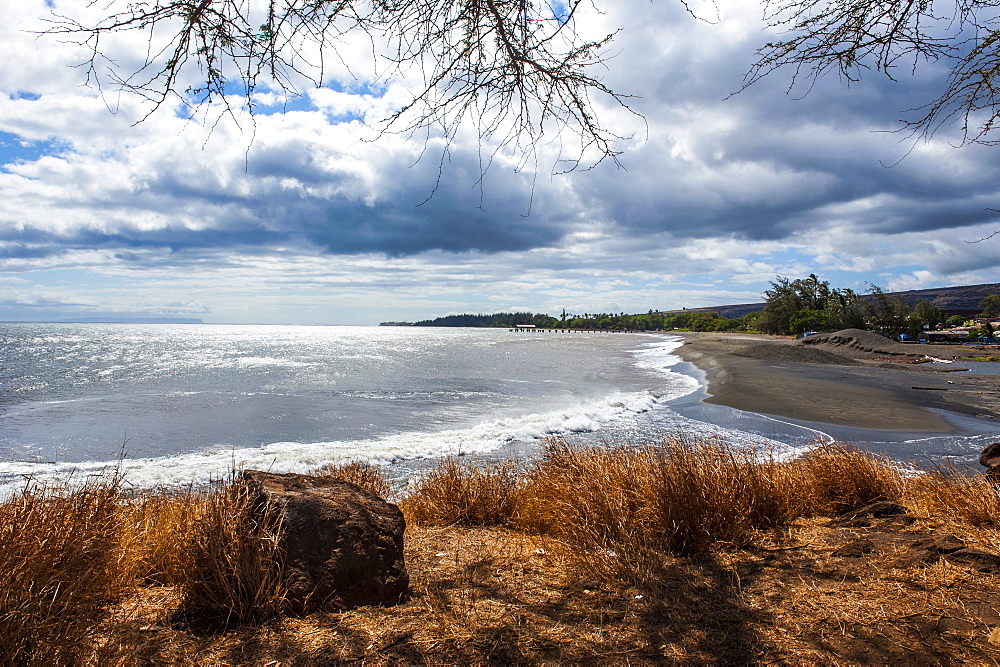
{"x":659,"y":357}
{"x":672,"y":423}
{"x":202,"y":467}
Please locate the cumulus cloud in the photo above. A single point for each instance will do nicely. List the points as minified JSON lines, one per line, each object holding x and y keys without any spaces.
{"x":718,"y":193}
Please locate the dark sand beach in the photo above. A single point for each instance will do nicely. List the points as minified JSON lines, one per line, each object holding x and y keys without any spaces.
{"x":852,"y":378}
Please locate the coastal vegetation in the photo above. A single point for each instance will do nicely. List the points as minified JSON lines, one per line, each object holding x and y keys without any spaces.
{"x":811,"y":304}
{"x":791,"y":307}
{"x":651,"y":321}
{"x":680,"y":550}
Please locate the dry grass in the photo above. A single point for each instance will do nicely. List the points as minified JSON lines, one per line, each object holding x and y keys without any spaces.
{"x":62,"y":561}
{"x":950,"y":493}
{"x":369,"y":477}
{"x":161,"y":529}
{"x":235,"y":561}
{"x":836,"y":478}
{"x":457,"y":494}
{"x":689,"y":551}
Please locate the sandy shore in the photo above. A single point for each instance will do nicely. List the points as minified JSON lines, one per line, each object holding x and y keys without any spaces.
{"x":856,"y":382}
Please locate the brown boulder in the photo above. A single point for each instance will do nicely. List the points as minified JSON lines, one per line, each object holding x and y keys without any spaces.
{"x":929,"y":550}
{"x":991,"y":459}
{"x":990,"y":456}
{"x":342,"y":546}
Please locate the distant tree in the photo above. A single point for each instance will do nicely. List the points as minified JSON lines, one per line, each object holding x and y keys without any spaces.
{"x":925,"y":315}
{"x":955,"y":321}
{"x":807,"y":319}
{"x":844,"y":310}
{"x":795,"y":306}
{"x":886,"y":314}
{"x":781,"y":302}
{"x":990,"y":305}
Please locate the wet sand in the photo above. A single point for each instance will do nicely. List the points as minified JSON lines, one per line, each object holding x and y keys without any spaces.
{"x":829,"y":382}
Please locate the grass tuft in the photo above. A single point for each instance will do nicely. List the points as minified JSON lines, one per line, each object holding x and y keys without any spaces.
{"x":161,"y":527}
{"x":679,"y":498}
{"x":949,"y":492}
{"x":236,"y":569}
{"x":369,"y":477}
{"x":467,"y":495}
{"x":61,"y":561}
{"x":837,"y":479}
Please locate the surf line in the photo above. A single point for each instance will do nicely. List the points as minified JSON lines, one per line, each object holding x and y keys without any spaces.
{"x":826,"y":438}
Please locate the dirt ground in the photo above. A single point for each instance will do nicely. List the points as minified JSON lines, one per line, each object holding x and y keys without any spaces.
{"x":491,"y":595}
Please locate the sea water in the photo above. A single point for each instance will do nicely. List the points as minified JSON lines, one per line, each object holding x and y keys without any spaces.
{"x":186,"y":404}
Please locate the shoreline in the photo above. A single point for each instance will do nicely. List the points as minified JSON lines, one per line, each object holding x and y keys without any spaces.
{"x":780,"y":377}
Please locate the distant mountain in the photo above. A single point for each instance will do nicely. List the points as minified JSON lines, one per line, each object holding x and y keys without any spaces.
{"x":962,"y":300}
{"x":132,"y":320}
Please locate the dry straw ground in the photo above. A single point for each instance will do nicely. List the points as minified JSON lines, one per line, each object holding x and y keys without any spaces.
{"x":683,"y":552}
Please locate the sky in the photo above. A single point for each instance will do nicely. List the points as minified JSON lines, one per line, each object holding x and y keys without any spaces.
{"x":307,"y":214}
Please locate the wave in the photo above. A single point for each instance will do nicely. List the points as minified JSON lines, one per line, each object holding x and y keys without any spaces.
{"x":203,"y":467}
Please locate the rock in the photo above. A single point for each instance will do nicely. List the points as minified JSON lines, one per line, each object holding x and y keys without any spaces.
{"x":980,"y":560}
{"x":929,"y":550}
{"x":863,"y":516}
{"x":994,"y":637}
{"x":942,"y":544}
{"x":855,"y":549}
{"x":993,"y":474}
{"x":342,"y":546}
{"x":990,"y":456}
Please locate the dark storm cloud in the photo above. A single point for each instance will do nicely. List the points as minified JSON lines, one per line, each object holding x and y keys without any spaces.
{"x":770,"y":162}
{"x":287,"y":198}
{"x":760,"y":165}
{"x":783,"y":165}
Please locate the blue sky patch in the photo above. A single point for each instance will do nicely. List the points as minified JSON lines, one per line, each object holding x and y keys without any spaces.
{"x":14,"y":149}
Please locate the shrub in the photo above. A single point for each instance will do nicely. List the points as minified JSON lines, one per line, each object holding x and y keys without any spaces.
{"x":948,"y":492}
{"x":61,"y":560}
{"x":161,"y":527}
{"x":680,"y":497}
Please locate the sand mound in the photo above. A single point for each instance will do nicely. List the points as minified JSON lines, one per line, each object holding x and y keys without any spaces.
{"x":793,"y":352}
{"x":860,"y":344}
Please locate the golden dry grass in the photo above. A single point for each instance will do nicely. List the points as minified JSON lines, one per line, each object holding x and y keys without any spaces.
{"x":685,"y":552}
{"x":61,"y":563}
{"x":457,"y":494}
{"x":836,"y":478}
{"x":369,"y":477}
{"x":234,"y":572}
{"x":949,"y":493}
{"x":681,"y":497}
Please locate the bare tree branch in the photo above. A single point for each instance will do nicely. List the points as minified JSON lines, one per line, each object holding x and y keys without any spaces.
{"x":513,"y":69}
{"x":852,"y":36}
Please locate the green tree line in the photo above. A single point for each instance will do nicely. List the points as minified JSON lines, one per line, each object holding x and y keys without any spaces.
{"x":651,"y":321}
{"x":811,"y":304}
{"x":792,"y":307}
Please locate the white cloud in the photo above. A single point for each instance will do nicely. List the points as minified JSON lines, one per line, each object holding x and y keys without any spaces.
{"x":309,"y":213}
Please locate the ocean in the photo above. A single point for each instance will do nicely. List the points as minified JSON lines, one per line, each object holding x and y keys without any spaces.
{"x":187,"y":404}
